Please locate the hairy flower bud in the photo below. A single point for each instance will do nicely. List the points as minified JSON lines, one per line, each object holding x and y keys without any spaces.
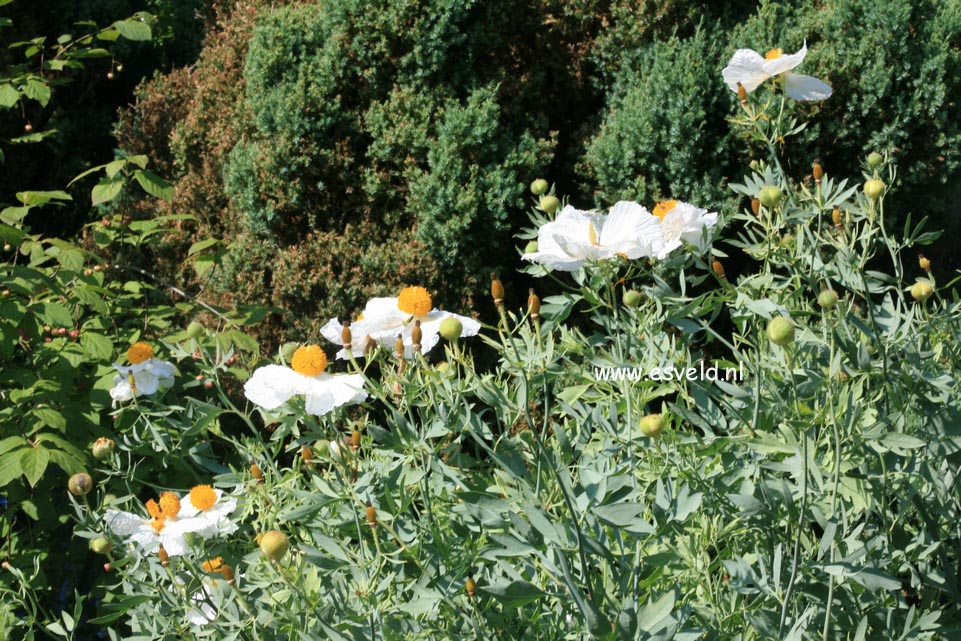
{"x":451,"y":329}
{"x":633,"y":298}
{"x":817,"y":171}
{"x":924,"y":263}
{"x":769,"y":196}
{"x":539,"y":187}
{"x":718,"y":268}
{"x":828,"y":299}
{"x":837,"y":217}
{"x":873,"y":188}
{"x":533,"y":304}
{"x":550,"y":204}
{"x":497,"y":290}
{"x":274,"y":545}
{"x":652,"y":425}
{"x":922,"y":291}
{"x":80,"y":484}
{"x":195,"y":329}
{"x":780,"y":331}
{"x":102,"y":448}
{"x":875,"y":159}
{"x":100,"y":545}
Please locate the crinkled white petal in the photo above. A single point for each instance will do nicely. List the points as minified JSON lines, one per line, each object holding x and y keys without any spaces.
{"x":746,"y":67}
{"x":121,"y":390}
{"x":148,"y":376}
{"x":777,"y":66}
{"x":215,"y":519}
{"x":559,"y":262}
{"x":631,"y":230}
{"x":325,"y":392}
{"x":801,"y":87}
{"x":685,"y":223}
{"x":430,"y":328}
{"x":122,"y":523}
{"x":271,"y":386}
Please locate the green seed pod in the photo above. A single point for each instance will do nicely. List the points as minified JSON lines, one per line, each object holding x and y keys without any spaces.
{"x":780,"y":331}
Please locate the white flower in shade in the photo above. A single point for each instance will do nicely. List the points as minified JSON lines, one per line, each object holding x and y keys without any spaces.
{"x":750,"y":69}
{"x":204,"y":608}
{"x":165,"y":526}
{"x":384,"y":319}
{"x":576,"y":237}
{"x":208,"y":505}
{"x":144,"y":375}
{"x":681,"y":224}
{"x":273,"y":385}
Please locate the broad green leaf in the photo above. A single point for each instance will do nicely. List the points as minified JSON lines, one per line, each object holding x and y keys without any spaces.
{"x":37,"y":90}
{"x":54,"y":314}
{"x":133,"y":29}
{"x":34,"y":462}
{"x":106,"y":190}
{"x":38,"y":198}
{"x":50,"y":417}
{"x":154,"y":185}
{"x":514,"y":593}
{"x":99,"y":347}
{"x":8,"y":95}
{"x":201,"y":245}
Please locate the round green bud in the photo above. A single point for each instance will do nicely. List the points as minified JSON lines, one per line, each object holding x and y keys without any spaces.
{"x":780,"y":331}
{"x":652,"y":425}
{"x":769,"y":196}
{"x":287,"y":351}
{"x":274,"y":545}
{"x":633,"y":298}
{"x":550,"y":204}
{"x":80,"y":484}
{"x":531,"y":247}
{"x":922,"y":291}
{"x":102,"y":448}
{"x":539,"y":187}
{"x":828,"y":299}
{"x":875,"y":159}
{"x":195,"y":329}
{"x":873,"y":188}
{"x":451,"y":328}
{"x":100,"y":545}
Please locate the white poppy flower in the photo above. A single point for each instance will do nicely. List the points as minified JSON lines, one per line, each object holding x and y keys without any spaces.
{"x":576,"y":237}
{"x":144,"y":375}
{"x":681,"y":224}
{"x":384,"y":319}
{"x":273,"y":385}
{"x":165,"y":526}
{"x":750,"y":69}
{"x":208,"y":505}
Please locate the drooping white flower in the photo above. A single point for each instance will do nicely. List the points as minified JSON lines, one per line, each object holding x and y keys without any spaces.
{"x":384,"y":319}
{"x":750,"y":69}
{"x":576,"y":237}
{"x":165,"y":526}
{"x":144,"y":375}
{"x":209,"y":506}
{"x":681,"y":224}
{"x":273,"y":385}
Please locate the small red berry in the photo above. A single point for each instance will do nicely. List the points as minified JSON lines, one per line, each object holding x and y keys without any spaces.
{"x":74,"y":333}
{"x":105,"y":222}
{"x":208,"y":384}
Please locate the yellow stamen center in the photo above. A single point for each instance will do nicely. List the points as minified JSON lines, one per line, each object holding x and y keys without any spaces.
{"x":153,"y":509}
{"x":414,"y":301}
{"x":309,"y":360}
{"x":169,"y":504}
{"x":203,"y":497}
{"x":360,"y":318}
{"x":139,"y":352}
{"x":158,"y":524}
{"x":662,"y":208}
{"x":592,"y":234}
{"x":213,"y":565}
{"x":773,"y":54}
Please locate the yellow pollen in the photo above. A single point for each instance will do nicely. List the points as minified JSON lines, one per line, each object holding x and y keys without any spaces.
{"x":213,"y":565}
{"x":360,"y":318}
{"x":662,"y":208}
{"x":153,"y":509}
{"x":773,"y":54}
{"x":139,"y":352}
{"x":414,"y":301}
{"x":203,"y":497}
{"x":158,"y":524}
{"x":592,"y":234}
{"x":309,"y":360}
{"x":169,"y":504}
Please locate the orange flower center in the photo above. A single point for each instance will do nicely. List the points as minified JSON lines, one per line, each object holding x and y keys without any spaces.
{"x":153,"y":509}
{"x":662,"y":208}
{"x":773,"y":54}
{"x":213,"y":565}
{"x":158,"y":524}
{"x":360,"y":317}
{"x":309,"y":360}
{"x":169,"y":504}
{"x":414,"y":301}
{"x":203,"y":497}
{"x":139,"y":352}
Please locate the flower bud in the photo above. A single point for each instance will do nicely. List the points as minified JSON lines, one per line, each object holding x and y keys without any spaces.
{"x":828,"y":299}
{"x":256,"y":472}
{"x":162,"y":554}
{"x":355,"y":440}
{"x":470,"y":585}
{"x":924,"y":263}
{"x":451,"y":329}
{"x":539,"y":187}
{"x":718,"y":268}
{"x":531,"y":247}
{"x":100,"y":545}
{"x":652,"y":425}
{"x":346,"y":338}
{"x":80,"y":484}
{"x":287,"y":351}
{"x":416,"y":336}
{"x":873,"y":188}
{"x":369,"y":345}
{"x":755,"y":206}
{"x":497,"y":290}
{"x":875,"y":159}
{"x":741,"y":93}
{"x":274,"y":545}
{"x":836,"y":216}
{"x":533,"y":305}
{"x":817,"y":171}
{"x":102,"y":447}
{"x":550,"y":204}
{"x":769,"y":196}
{"x":633,"y":298}
{"x":399,"y":346}
{"x":922,"y":291}
{"x":306,"y":453}
{"x":195,"y":329}
{"x":780,"y":331}
{"x":371,"y":515}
